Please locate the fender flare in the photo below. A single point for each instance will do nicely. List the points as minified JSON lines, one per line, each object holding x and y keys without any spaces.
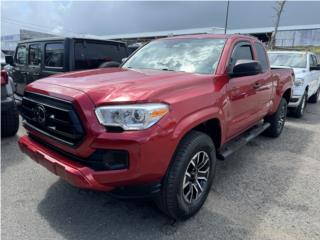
{"x":191,"y":121}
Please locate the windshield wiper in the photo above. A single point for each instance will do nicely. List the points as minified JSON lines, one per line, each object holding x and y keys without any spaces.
{"x":167,"y":69}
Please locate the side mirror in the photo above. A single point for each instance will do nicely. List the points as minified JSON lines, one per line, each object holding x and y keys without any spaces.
{"x":245,"y":68}
{"x":9,"y":60}
{"x":316,"y":68}
{"x":123,"y":60}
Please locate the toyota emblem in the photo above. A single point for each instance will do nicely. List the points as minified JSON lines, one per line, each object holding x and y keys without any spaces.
{"x":40,"y":114}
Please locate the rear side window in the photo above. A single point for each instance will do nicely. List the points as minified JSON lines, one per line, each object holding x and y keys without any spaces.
{"x":35,"y":54}
{"x":54,"y":55}
{"x":21,"y":55}
{"x":262,"y":57}
{"x":313,"y":61}
{"x":90,"y":55}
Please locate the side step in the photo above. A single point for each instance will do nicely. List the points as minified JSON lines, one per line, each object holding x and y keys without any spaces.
{"x":234,"y":145}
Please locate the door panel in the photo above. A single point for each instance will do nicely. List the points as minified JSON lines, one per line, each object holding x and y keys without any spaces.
{"x":244,"y":106}
{"x":249,"y":96}
{"x":19,"y":71}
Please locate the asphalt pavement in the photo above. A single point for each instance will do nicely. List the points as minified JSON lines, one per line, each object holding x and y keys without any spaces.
{"x":270,"y":189}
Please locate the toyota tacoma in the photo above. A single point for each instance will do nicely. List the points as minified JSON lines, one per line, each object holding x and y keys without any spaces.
{"x":156,"y":125}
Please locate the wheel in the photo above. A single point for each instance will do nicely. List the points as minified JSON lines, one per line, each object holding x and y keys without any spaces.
{"x":298,"y":112}
{"x":189,"y":177}
{"x":315,"y":97}
{"x":277,"y":120}
{"x":9,"y":123}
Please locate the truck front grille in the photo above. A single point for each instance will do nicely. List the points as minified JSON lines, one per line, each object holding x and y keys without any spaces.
{"x":52,"y":117}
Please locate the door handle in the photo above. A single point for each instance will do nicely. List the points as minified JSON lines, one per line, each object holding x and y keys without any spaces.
{"x":257,"y":85}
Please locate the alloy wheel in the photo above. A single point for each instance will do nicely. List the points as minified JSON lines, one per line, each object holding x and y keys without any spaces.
{"x":196,"y":177}
{"x":282,"y":117}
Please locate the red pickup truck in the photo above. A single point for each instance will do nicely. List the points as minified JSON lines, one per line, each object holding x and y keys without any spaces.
{"x":156,"y":125}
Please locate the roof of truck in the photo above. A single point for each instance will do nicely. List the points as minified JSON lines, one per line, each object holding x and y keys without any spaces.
{"x":206,"y":35}
{"x":63,"y":38}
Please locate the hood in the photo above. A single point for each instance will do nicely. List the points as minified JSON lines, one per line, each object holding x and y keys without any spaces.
{"x":125,"y":85}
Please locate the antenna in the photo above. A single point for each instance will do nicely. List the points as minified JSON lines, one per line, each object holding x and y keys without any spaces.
{"x":227,"y":16}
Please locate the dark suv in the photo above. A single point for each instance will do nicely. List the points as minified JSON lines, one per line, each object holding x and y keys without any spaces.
{"x":35,"y":59}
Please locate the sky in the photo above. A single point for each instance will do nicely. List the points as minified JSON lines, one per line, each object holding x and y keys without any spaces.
{"x":108,"y":18}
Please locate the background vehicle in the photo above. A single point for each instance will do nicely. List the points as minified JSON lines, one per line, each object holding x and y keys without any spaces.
{"x":40,"y":58}
{"x":3,"y":61}
{"x":9,"y":112}
{"x":157,"y":124}
{"x":307,"y":77}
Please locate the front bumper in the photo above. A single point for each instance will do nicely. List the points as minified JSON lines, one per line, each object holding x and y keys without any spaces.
{"x":294,"y":101}
{"x":72,"y":172}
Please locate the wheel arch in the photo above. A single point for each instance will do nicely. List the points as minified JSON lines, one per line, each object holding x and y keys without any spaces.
{"x":203,"y":121}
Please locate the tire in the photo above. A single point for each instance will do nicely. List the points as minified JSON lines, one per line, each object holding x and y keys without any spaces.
{"x":298,"y":112}
{"x":277,"y":120}
{"x":315,"y":97}
{"x":174,"y":199}
{"x":9,"y":123}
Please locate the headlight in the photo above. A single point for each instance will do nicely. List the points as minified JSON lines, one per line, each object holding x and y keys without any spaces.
{"x":298,"y":82}
{"x":132,"y":117}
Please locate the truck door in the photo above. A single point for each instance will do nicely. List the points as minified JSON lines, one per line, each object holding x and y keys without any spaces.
{"x":19,"y":71}
{"x":314,"y":75}
{"x":34,"y":61}
{"x":264,"y":85}
{"x":243,"y":109}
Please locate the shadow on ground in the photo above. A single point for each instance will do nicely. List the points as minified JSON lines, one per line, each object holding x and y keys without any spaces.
{"x":245,"y":185}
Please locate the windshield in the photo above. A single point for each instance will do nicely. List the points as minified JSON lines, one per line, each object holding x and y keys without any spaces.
{"x":294,"y":60}
{"x":187,"y":55}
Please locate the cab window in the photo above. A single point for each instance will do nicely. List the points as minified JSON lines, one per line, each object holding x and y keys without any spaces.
{"x":262,"y":57}
{"x":21,"y":55}
{"x":35,"y":54}
{"x":54,"y":55}
{"x":241,"y":51}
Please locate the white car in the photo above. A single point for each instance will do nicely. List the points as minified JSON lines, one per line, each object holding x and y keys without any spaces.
{"x":307,"y":77}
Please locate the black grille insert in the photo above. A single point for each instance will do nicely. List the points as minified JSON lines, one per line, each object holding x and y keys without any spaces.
{"x":53,"y":117}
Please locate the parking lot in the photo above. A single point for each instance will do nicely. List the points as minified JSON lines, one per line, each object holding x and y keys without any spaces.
{"x":268,"y":190}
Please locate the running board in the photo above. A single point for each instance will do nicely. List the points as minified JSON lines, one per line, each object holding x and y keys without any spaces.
{"x":234,"y":145}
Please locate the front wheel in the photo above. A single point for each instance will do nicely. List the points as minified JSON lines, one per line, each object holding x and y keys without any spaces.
{"x":315,"y":97}
{"x":189,"y":178}
{"x":277,"y":120}
{"x":298,"y":112}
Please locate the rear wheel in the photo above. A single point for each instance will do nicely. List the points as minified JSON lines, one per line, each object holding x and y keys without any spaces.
{"x":277,"y":120}
{"x":315,"y":97}
{"x":189,"y":178}
{"x":9,"y":123}
{"x":298,"y":112}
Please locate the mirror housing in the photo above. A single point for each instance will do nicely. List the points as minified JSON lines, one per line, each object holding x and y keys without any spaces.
{"x":316,"y":68}
{"x":246,"y":68}
{"x":9,"y":60}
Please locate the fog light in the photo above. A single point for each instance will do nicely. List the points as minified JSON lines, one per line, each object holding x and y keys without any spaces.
{"x":110,"y":159}
{"x":115,"y":160}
